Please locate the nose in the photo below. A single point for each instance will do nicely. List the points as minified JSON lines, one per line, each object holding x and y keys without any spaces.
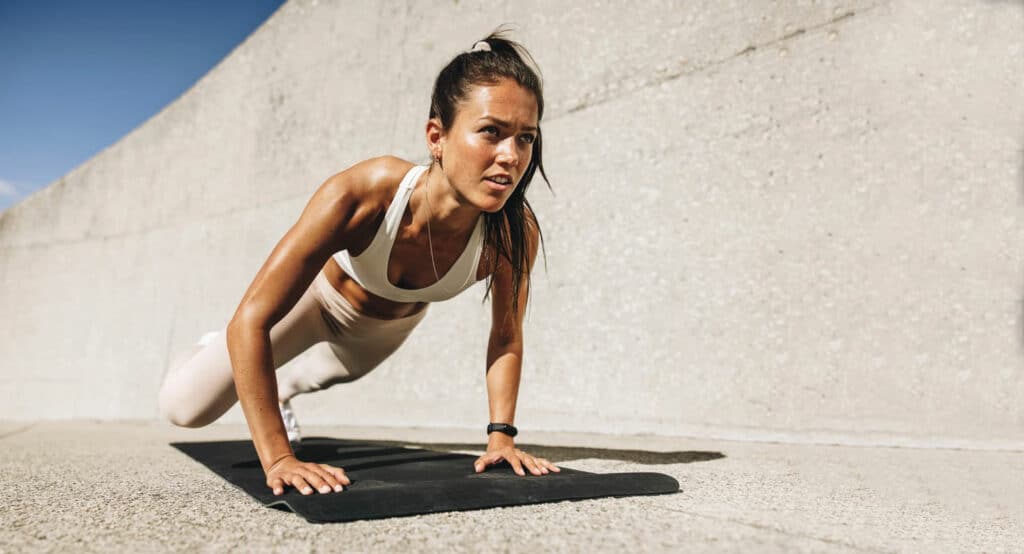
{"x":507,"y":153}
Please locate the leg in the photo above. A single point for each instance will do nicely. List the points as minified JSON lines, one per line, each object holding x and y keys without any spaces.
{"x":199,"y":386}
{"x":357,"y":345}
{"x":330,"y":363}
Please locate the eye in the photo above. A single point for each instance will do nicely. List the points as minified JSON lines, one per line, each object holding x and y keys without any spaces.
{"x":490,"y":129}
{"x":528,"y":138}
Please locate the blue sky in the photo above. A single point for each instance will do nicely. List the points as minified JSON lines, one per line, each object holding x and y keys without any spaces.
{"x":76,"y":76}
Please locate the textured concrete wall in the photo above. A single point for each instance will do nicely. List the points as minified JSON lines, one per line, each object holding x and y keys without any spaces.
{"x":770,"y":220}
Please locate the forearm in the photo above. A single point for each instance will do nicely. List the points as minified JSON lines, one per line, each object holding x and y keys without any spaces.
{"x":253,"y":369}
{"x":504,"y":367}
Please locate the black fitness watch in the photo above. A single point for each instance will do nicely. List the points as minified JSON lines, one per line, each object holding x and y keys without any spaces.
{"x":506,"y":428}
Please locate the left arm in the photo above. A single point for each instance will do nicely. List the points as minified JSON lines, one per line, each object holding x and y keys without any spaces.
{"x":505,"y":362}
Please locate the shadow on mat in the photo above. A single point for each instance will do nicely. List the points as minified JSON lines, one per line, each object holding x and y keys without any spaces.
{"x":556,"y":454}
{"x":364,"y":459}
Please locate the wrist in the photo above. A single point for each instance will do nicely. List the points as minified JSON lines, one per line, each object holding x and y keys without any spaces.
{"x":277,"y":461}
{"x":500,"y":435}
{"x":499,"y":440}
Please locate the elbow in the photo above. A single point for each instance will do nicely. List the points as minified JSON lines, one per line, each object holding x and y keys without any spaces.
{"x":245,"y":321}
{"x":504,"y":344}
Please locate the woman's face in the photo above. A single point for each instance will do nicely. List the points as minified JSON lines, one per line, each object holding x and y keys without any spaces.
{"x":490,"y":143}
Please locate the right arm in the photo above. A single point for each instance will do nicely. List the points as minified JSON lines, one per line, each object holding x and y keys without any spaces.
{"x":326,"y":223}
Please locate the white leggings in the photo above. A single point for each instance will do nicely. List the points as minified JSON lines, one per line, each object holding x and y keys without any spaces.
{"x":346,"y":345}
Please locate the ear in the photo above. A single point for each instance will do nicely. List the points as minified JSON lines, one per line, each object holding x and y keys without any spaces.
{"x":435,"y":138}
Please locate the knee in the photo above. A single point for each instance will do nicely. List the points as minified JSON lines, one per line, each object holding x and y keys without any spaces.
{"x":179,"y":414}
{"x":191,"y":421}
{"x":180,"y":418}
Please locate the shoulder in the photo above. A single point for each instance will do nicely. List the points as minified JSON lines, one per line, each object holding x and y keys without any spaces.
{"x":369,"y":181}
{"x":347,"y":207}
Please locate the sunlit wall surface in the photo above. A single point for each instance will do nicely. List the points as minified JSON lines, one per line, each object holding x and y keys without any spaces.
{"x":795,"y":223}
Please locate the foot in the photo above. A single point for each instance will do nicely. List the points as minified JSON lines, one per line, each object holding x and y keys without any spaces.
{"x":291,"y":424}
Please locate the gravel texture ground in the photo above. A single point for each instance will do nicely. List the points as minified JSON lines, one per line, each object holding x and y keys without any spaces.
{"x":118,"y":487}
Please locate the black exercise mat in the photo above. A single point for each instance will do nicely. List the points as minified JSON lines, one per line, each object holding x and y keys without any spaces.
{"x":390,"y":480}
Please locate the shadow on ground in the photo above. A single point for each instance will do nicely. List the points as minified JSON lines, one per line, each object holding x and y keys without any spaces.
{"x":559,"y":454}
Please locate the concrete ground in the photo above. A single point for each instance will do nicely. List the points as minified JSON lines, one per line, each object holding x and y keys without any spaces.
{"x":89,"y":486}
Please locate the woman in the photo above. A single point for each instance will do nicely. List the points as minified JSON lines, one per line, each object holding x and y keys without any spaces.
{"x":375,"y":245}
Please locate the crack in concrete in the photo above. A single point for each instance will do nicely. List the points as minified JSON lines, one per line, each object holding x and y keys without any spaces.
{"x":630,"y":85}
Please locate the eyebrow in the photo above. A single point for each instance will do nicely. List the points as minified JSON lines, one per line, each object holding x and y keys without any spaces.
{"x":504,"y":123}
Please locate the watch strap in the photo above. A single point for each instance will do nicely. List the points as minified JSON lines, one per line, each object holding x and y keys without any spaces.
{"x":506,"y":428}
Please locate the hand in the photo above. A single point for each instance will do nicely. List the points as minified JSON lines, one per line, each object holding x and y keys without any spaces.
{"x":305,"y":476}
{"x":516,"y":457}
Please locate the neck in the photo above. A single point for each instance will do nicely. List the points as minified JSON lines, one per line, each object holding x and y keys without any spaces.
{"x":450,"y":213}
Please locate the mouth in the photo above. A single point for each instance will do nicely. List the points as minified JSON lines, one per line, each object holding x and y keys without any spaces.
{"x":499,"y":182}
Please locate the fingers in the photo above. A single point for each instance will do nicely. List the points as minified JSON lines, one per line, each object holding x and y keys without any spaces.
{"x":482,"y":462}
{"x":323,"y":480}
{"x":532,"y":465}
{"x":538,"y":466}
{"x":517,"y":465}
{"x":548,"y":465}
{"x":337,"y":473}
{"x":300,"y":484}
{"x":278,"y":485}
{"x":518,"y":460}
{"x":310,"y":477}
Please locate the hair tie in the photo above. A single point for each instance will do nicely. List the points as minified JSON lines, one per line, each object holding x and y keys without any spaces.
{"x":480,"y":46}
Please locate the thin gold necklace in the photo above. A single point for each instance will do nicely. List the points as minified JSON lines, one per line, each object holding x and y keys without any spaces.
{"x":430,"y":241}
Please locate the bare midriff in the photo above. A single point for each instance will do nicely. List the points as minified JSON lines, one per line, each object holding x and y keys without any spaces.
{"x":363,"y":300}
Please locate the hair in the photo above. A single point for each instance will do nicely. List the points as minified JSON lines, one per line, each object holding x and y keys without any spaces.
{"x":507,"y":229}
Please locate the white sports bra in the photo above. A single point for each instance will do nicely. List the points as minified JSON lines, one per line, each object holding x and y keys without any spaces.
{"x":370,"y":269}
